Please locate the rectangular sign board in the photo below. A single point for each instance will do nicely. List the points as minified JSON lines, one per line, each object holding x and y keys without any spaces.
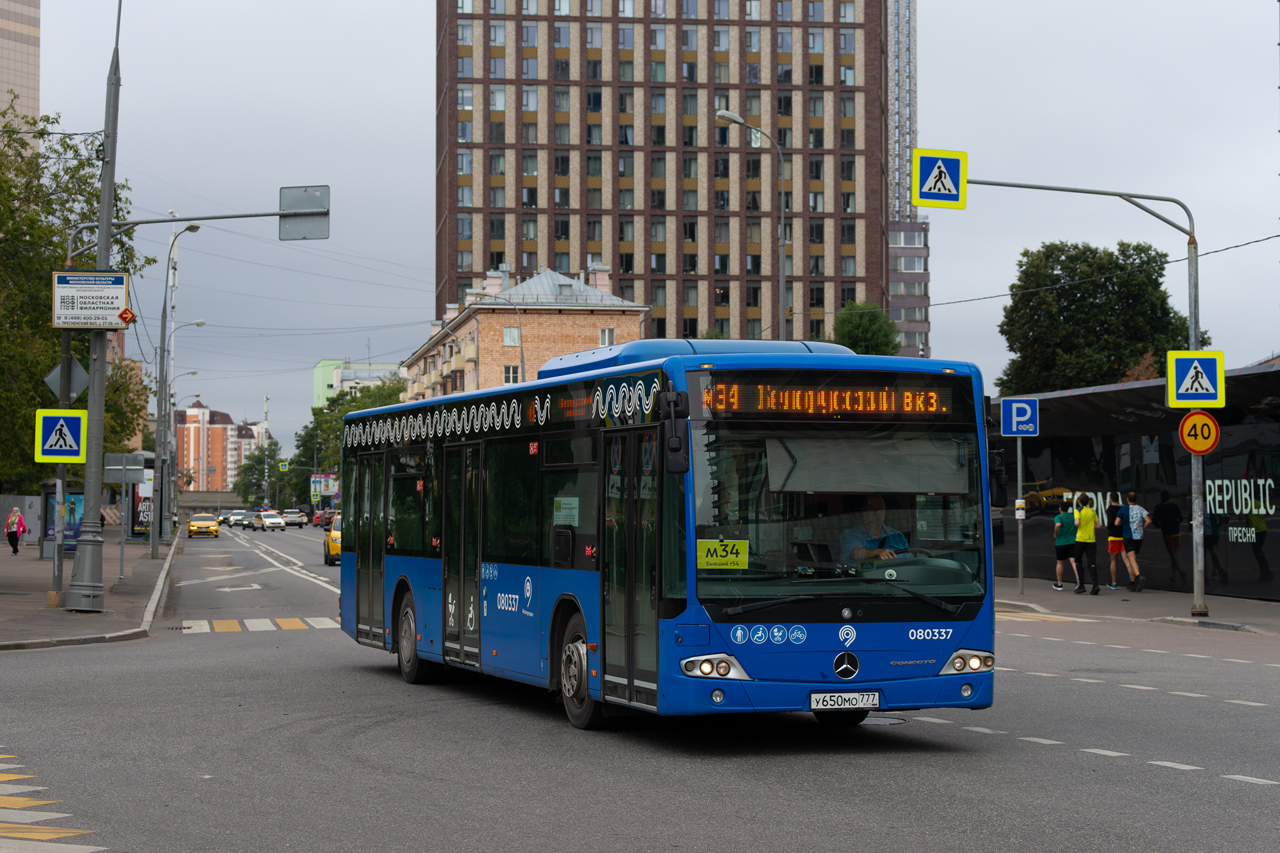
{"x":87,"y":299}
{"x":60,"y":435}
{"x":1019,"y":417}
{"x":1196,"y":379}
{"x":939,"y":178}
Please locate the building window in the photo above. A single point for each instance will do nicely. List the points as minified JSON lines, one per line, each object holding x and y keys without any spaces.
{"x":848,"y":232}
{"x":816,"y":168}
{"x":464,"y":66}
{"x":721,"y":199}
{"x":906,"y":238}
{"x":908,"y":288}
{"x":593,"y":36}
{"x":848,"y":203}
{"x":464,"y":260}
{"x":529,"y":228}
{"x":815,"y":75}
{"x":914,"y":339}
{"x":510,"y":374}
{"x":560,"y":228}
{"x":464,"y":96}
{"x":689,"y":72}
{"x":496,"y":260}
{"x":689,"y":327}
{"x":690,"y":264}
{"x":847,"y":76}
{"x":497,"y":98}
{"x":560,"y":69}
{"x":907,"y":264}
{"x":560,"y":163}
{"x":594,"y":229}
{"x":689,"y":200}
{"x":657,"y":199}
{"x":594,"y":134}
{"x":497,"y":66}
{"x":689,"y":227}
{"x":753,"y":265}
{"x":752,"y":9}
{"x":497,"y":227}
{"x":848,"y":293}
{"x":815,"y":137}
{"x":529,"y":164}
{"x":497,"y":132}
{"x":511,"y":336}
{"x":720,"y":264}
{"x":606,"y":337}
{"x":561,"y":134}
{"x":528,"y":196}
{"x":626,"y":37}
{"x":848,"y":266}
{"x":848,"y":12}
{"x":815,"y":330}
{"x":658,"y":230}
{"x":817,"y":265}
{"x":658,"y":263}
{"x":658,"y":295}
{"x":464,"y":196}
{"x":561,"y":262}
{"x":464,"y":162}
{"x":626,"y":262}
{"x":753,"y":296}
{"x":817,"y":296}
{"x":817,"y":231}
{"x":721,"y":296}
{"x":464,"y":226}
{"x":464,"y":131}
{"x":595,"y":199}
{"x":593,"y":69}
{"x":816,"y":203}
{"x":815,"y":40}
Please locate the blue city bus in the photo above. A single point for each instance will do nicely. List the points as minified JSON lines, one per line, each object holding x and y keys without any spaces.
{"x":684,"y":527}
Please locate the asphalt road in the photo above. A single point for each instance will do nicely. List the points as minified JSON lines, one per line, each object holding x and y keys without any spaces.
{"x":286,"y":735}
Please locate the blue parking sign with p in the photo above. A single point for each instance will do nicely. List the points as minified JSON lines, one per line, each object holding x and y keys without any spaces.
{"x":60,"y":435}
{"x":1019,"y":417}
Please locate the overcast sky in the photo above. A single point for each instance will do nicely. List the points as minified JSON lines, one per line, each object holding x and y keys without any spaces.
{"x":222,"y":104}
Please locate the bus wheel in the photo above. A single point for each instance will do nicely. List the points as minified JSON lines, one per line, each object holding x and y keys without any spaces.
{"x":583,"y":711}
{"x":841,"y":719}
{"x":413,"y":669}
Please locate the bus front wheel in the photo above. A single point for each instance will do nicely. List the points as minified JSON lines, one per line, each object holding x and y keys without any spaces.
{"x":583,"y":711}
{"x":413,"y":669}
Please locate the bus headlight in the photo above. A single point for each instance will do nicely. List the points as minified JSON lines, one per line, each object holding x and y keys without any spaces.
{"x":714,"y":666}
{"x":968,"y":661}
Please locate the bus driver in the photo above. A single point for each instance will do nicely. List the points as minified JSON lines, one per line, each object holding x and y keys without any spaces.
{"x":872,"y":539}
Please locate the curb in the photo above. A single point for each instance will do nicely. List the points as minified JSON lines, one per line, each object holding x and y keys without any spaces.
{"x":1022,"y":605}
{"x":141,"y":632}
{"x":1194,"y":622}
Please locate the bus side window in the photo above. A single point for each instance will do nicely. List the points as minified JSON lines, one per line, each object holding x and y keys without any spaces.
{"x":674,"y":578}
{"x":569,"y":502}
{"x":510,"y":502}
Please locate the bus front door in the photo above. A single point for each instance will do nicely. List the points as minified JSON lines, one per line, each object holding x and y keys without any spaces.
{"x":370,"y":618}
{"x":461,"y":554}
{"x":629,"y":561}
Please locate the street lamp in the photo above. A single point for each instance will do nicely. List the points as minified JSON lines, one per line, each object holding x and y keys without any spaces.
{"x":524,"y":376}
{"x":734,"y":118}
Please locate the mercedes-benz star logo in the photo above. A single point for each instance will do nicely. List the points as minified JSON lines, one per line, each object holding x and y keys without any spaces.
{"x":846,"y":665}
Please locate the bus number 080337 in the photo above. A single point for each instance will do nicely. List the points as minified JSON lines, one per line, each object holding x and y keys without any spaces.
{"x":929,"y":634}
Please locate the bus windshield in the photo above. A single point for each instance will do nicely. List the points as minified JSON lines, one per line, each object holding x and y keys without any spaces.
{"x":883,"y":509}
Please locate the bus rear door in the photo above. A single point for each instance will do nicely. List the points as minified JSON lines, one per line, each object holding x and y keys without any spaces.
{"x":462,"y":554}
{"x":370,"y":522}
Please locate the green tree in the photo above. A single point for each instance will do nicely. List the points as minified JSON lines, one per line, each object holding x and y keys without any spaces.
{"x":1093,"y":332}
{"x":319,"y":444}
{"x":48,"y":184}
{"x":866,"y":329}
{"x":249,"y":477}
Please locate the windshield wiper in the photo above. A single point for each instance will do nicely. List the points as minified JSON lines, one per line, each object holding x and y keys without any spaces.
{"x":936,"y":602}
{"x":761,"y":605}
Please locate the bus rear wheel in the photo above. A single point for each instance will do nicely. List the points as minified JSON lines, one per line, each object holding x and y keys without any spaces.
{"x":413,"y":669}
{"x":841,"y":719}
{"x":583,"y":711}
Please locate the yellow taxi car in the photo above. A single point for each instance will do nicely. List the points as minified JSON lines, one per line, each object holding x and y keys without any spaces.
{"x":332,"y":544}
{"x":202,"y":525}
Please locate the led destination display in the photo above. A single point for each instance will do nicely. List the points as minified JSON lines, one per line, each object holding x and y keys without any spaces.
{"x":810,"y":398}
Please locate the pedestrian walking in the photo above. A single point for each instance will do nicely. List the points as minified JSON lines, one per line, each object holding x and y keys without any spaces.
{"x":1133,"y":521}
{"x":1167,"y":516}
{"x":1087,"y":525}
{"x":14,"y":528}
{"x":1064,"y":543}
{"x":1115,"y":541}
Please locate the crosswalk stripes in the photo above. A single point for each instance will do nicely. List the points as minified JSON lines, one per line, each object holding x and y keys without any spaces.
{"x":23,"y":828}
{"x":1008,"y":616}
{"x":232,"y":626}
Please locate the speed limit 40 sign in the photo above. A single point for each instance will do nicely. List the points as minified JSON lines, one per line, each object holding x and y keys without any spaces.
{"x":1199,"y":432}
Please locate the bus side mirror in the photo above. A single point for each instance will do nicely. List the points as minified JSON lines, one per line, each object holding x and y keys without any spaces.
{"x":673,"y":406}
{"x":999,"y":481}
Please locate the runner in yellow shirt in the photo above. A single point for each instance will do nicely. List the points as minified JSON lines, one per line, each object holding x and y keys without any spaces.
{"x":1087,"y":525}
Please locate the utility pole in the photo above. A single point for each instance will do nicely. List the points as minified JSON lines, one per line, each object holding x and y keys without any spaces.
{"x":86,"y":574}
{"x":266,"y":466}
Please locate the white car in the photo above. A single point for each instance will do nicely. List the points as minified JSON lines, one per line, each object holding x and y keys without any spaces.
{"x":266,"y":521}
{"x":293,"y":517}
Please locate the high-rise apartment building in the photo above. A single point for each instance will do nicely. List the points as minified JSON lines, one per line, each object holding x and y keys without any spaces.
{"x":581,"y":135}
{"x":20,"y":56}
{"x":210,"y":447}
{"x":908,"y":230}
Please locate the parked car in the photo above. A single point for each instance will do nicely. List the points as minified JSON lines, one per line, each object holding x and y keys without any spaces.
{"x":265,"y":521}
{"x":293,"y":518}
{"x":238,"y":518}
{"x":317,"y":517}
{"x":202,"y":525}
{"x":332,"y":545}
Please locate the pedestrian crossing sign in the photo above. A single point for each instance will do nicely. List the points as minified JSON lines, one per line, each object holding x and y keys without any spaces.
{"x":939,"y":178}
{"x":60,"y":435}
{"x":1196,"y":379}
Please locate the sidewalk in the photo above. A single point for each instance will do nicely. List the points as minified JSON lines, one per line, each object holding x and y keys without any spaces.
{"x":1236,"y":614}
{"x":27,"y":622}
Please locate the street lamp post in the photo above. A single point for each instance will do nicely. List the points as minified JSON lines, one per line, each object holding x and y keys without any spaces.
{"x":734,"y":118}
{"x":159,"y":487}
{"x":524,"y":376}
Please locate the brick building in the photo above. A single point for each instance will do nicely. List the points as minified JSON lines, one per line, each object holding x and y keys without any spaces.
{"x":581,"y":133}
{"x":210,"y":446}
{"x":482,"y":341}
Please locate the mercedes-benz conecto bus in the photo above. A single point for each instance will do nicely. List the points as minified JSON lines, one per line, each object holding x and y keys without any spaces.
{"x":684,"y":527}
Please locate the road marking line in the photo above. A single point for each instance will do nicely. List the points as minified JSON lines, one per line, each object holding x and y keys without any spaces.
{"x":1090,"y":680}
{"x":1205,"y":657}
{"x":226,"y":625}
{"x":195,"y":626}
{"x":1044,"y":674}
{"x":1019,"y":635}
{"x":1108,"y":753}
{"x":21,"y":816}
{"x":1273,"y":664}
{"x":1156,"y":651}
{"x":1237,"y":660}
{"x":1175,"y":765}
{"x":21,"y":789}
{"x":259,"y":624}
{"x":930,"y":720}
{"x":1054,"y":639}
{"x":1004,"y":669}
{"x":1109,"y":646}
{"x":1084,"y":642}
{"x":983,"y":730}
{"x":38,"y":833}
{"x":1243,"y":702}
{"x":9,"y":777}
{"x":291,"y":624}
{"x":1252,"y":779}
{"x":1139,"y":687}
{"x":23,"y":802}
{"x":1192,"y":695}
{"x":229,"y":578}
{"x":12,"y":766}
{"x":1044,"y":741}
{"x":321,"y":622}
